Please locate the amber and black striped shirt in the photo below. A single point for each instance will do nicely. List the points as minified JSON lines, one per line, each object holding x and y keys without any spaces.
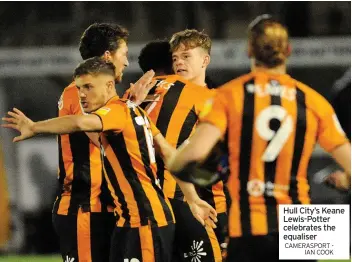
{"x":127,"y":142}
{"x":176,"y":112}
{"x":80,"y":175}
{"x":273,"y":123}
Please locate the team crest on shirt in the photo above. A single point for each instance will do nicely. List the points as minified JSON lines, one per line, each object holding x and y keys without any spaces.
{"x":60,"y":103}
{"x":255,"y":187}
{"x":207,"y":107}
{"x":103,"y":111}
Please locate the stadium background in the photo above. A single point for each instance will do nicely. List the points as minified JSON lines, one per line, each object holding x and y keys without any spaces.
{"x":38,"y":52}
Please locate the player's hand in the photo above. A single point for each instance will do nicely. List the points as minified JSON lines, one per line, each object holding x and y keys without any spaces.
{"x":339,"y":180}
{"x":203,"y":212}
{"x":139,"y":90}
{"x":19,"y":122}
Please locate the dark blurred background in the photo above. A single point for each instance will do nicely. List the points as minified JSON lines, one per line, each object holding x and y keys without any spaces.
{"x":61,"y":23}
{"x":39,"y":50}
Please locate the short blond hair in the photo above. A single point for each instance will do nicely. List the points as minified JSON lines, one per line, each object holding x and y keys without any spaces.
{"x":190,"y":38}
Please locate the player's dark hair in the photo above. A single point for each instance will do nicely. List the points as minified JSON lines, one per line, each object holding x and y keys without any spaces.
{"x":156,"y":55}
{"x":94,"y":66}
{"x":268,"y":39}
{"x":101,"y":37}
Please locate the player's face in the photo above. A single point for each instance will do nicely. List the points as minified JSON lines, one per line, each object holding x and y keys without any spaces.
{"x":188,"y":63}
{"x":94,"y":90}
{"x":120,"y":60}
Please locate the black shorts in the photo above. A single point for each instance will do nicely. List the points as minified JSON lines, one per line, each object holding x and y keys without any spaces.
{"x":221,"y":229}
{"x":255,"y":248}
{"x":142,"y":244}
{"x":192,"y":239}
{"x":85,"y":236}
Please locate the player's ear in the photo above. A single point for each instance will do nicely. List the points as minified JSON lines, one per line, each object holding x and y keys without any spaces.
{"x":110,"y":85}
{"x":107,"y":56}
{"x":289,"y":50}
{"x":206,"y":60}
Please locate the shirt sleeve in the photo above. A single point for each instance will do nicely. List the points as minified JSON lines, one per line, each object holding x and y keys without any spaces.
{"x":113,"y":117}
{"x":203,"y":98}
{"x":330,"y":132}
{"x":215,"y":111}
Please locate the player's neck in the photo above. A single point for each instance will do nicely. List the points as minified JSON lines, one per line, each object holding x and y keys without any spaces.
{"x":199,"y":80}
{"x":278,"y":70}
{"x":112,"y":94}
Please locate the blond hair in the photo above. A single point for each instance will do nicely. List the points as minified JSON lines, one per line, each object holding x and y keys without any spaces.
{"x":269,"y":42}
{"x":190,"y":38}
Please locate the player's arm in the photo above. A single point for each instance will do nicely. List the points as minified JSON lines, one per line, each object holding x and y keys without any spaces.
{"x":342,"y":155}
{"x":194,"y":151}
{"x":69,"y":104}
{"x":94,"y":137}
{"x":332,"y":138}
{"x":213,"y":125}
{"x":59,"y":125}
{"x":200,"y":209}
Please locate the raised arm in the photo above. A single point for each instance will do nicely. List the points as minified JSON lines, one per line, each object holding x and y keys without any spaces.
{"x":59,"y":125}
{"x":69,"y":104}
{"x":194,"y":151}
{"x":185,"y":164}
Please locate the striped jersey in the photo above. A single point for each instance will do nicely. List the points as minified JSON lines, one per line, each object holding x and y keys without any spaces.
{"x":175,"y":112}
{"x":273,"y":123}
{"x":80,"y":174}
{"x":127,"y":143}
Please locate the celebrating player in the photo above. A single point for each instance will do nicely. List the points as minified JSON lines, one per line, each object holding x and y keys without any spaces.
{"x":145,"y":222}
{"x":272,"y":122}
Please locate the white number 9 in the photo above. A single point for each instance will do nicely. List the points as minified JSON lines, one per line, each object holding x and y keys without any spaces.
{"x":277,"y":139}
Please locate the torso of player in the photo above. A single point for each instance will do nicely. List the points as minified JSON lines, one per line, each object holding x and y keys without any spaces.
{"x":130,"y":167}
{"x":80,"y":166}
{"x":176,"y":112}
{"x":275,"y":119}
{"x":177,"y":106}
{"x":273,"y":123}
